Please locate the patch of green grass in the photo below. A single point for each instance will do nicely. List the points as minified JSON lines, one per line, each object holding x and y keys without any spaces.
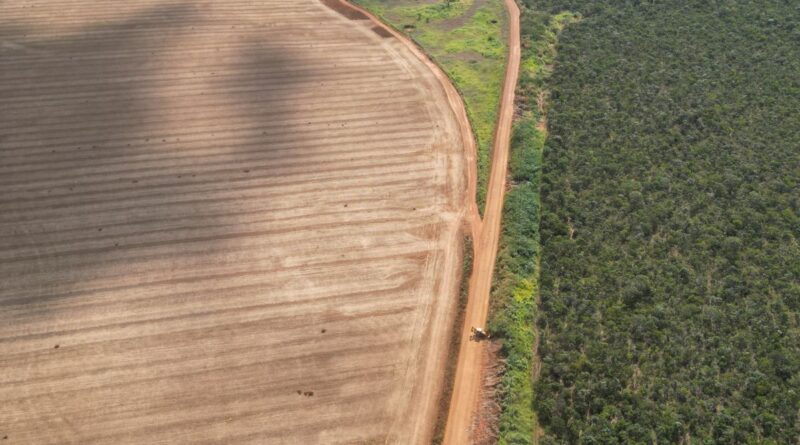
{"x":470,"y":45}
{"x":432,"y":11}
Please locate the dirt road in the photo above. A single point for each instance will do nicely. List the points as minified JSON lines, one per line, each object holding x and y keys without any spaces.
{"x":468,"y":372}
{"x":222,"y":222}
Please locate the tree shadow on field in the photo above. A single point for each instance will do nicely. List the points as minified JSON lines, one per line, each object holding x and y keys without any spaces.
{"x":121,"y":143}
{"x":144,"y":155}
{"x":132,"y":150}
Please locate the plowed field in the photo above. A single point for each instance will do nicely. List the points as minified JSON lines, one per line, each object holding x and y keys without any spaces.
{"x":221,"y":222}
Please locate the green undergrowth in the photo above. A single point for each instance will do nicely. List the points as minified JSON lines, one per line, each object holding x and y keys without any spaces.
{"x":468,"y":41}
{"x":515,"y":289}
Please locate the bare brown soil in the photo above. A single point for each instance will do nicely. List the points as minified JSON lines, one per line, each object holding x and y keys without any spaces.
{"x":223,"y":222}
{"x":485,"y":426}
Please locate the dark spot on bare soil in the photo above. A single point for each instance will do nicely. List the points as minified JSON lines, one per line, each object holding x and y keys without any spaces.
{"x":246,"y":171}
{"x":345,"y":10}
{"x":381,"y":31}
{"x":299,"y":393}
{"x":56,"y":346}
{"x":324,"y":331}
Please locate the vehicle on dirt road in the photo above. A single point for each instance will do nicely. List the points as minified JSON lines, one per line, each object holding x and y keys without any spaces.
{"x":479,"y":334}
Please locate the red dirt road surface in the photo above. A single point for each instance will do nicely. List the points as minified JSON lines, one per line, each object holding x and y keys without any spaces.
{"x":468,"y":378}
{"x":222,"y":222}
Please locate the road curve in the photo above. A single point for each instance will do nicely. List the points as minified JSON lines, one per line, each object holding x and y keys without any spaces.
{"x":459,"y":110}
{"x":468,"y":379}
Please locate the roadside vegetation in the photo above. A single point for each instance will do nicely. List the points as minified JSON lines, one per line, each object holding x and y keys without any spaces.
{"x":466,"y":38}
{"x":670,"y":267}
{"x":515,"y":290}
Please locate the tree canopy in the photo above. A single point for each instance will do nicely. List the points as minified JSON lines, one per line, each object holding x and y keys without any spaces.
{"x":670,"y":276}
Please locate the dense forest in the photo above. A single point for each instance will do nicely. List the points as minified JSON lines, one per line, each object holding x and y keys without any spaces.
{"x":670,"y":274}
